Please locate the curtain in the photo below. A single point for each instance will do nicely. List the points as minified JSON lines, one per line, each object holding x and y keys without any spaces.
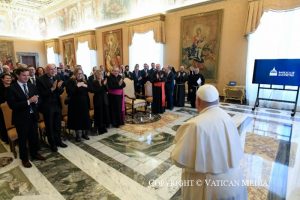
{"x":256,"y":8}
{"x":88,"y":36}
{"x":154,"y":23}
{"x":52,"y":44}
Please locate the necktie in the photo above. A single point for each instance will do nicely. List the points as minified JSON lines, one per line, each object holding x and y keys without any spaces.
{"x":32,"y":80}
{"x":25,"y":90}
{"x":27,"y":95}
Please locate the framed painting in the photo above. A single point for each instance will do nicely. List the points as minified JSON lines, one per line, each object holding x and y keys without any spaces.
{"x":112,"y":48}
{"x":7,"y":53}
{"x":200,"y":42}
{"x":69,"y":52}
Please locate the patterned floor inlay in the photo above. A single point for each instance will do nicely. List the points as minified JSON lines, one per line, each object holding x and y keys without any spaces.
{"x":269,"y":148}
{"x":15,"y":183}
{"x":69,"y":180}
{"x":139,"y":129}
{"x":2,"y":148}
{"x":122,"y":163}
{"x":257,"y":193}
{"x":4,"y":161}
{"x":263,"y":146}
{"x":152,"y":146}
{"x":142,"y":118}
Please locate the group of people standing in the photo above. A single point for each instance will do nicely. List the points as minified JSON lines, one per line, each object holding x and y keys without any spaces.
{"x":28,"y":95}
{"x":168,"y":86}
{"x":31,"y":91}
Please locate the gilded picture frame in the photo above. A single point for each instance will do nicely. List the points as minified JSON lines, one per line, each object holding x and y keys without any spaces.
{"x":69,"y":52}
{"x":7,"y":53}
{"x":112,"y":48}
{"x":200,"y":42}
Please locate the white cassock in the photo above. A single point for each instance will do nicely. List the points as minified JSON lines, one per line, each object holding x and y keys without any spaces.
{"x":208,"y":148}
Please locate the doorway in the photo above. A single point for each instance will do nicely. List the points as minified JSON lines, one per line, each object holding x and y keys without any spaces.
{"x":28,"y":58}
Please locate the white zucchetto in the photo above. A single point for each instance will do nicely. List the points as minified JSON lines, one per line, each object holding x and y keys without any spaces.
{"x":208,"y":93}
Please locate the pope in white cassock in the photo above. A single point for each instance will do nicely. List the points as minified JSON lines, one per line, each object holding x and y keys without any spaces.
{"x":208,"y":149}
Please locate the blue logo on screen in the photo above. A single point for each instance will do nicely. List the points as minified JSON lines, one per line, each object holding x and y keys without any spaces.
{"x":273,"y":72}
{"x":277,"y":71}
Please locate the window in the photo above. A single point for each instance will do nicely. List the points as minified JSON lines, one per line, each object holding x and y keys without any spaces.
{"x":276,"y":37}
{"x":52,"y":57}
{"x":144,"y":49}
{"x":86,"y":58}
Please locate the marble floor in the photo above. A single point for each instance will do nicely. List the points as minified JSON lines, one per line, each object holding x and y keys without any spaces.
{"x":126,"y":162}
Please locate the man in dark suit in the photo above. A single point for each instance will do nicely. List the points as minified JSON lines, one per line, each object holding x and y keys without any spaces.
{"x":92,"y":77}
{"x":32,"y":78}
{"x":145,"y":76}
{"x":137,"y":78}
{"x":128,"y":73}
{"x":50,"y":87}
{"x":169,"y":87}
{"x":152,"y":70}
{"x":22,"y":98}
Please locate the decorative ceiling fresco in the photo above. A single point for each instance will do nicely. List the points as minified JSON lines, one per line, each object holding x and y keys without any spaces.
{"x":40,"y":19}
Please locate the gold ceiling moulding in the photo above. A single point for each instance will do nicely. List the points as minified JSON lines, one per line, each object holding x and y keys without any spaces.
{"x":109,"y":25}
{"x":147,"y":19}
{"x":193,"y":5}
{"x":83,"y":33}
{"x":78,"y":34}
{"x":51,"y":40}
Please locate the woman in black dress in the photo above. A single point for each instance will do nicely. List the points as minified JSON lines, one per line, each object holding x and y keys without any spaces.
{"x":78,"y":106}
{"x":4,"y":84}
{"x":101,"y":113}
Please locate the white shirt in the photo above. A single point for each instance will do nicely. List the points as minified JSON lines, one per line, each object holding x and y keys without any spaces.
{"x":22,"y":86}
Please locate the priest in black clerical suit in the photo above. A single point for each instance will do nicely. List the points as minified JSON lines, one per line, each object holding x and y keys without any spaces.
{"x":179,"y":92}
{"x":50,"y":87}
{"x":195,"y":81}
{"x":22,"y":98}
{"x":158,"y":90}
{"x":116,"y":84}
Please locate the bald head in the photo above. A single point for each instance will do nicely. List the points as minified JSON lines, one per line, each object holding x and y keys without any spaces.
{"x":50,"y":70}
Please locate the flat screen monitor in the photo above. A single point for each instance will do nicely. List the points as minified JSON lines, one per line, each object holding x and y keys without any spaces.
{"x":277,"y":72}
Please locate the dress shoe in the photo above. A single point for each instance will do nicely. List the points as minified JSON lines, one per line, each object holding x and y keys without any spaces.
{"x":62,"y":145}
{"x":77,"y":139}
{"x":26,"y":163}
{"x":53,"y":148}
{"x":39,"y":157}
{"x":84,"y":136}
{"x":102,"y":131}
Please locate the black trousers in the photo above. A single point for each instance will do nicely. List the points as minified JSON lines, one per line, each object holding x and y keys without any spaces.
{"x":52,"y":118}
{"x":28,"y":133}
{"x":116,"y":114}
{"x":3,"y":131}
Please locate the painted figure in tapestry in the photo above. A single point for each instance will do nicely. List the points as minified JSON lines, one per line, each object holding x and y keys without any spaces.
{"x":200,"y":43}
{"x":112,"y":51}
